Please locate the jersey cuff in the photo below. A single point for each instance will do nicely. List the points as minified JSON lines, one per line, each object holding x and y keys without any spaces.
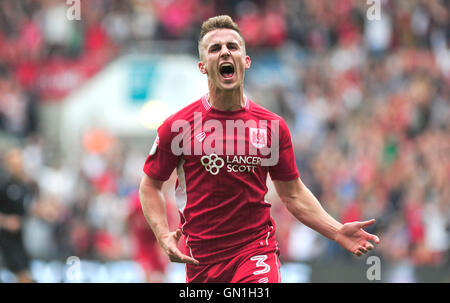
{"x":285,"y":177}
{"x":155,"y":176}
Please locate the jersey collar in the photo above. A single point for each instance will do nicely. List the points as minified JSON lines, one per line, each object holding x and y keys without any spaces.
{"x":208,"y":107}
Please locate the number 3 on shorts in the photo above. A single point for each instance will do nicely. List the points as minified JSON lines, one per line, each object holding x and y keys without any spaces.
{"x":260,"y":263}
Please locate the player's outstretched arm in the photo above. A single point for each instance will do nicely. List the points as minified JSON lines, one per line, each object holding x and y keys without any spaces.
{"x":154,"y":209}
{"x":306,"y":208}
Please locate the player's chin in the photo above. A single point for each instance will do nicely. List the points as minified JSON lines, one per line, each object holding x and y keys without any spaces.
{"x":229,"y":87}
{"x":229,"y":84}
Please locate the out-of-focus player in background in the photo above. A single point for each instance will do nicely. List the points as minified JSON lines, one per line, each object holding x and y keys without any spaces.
{"x":229,"y":234}
{"x":146,"y":250}
{"x":16,"y":195}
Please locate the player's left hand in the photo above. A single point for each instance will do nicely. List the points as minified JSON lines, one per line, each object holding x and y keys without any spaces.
{"x":355,"y":239}
{"x":12,"y":223}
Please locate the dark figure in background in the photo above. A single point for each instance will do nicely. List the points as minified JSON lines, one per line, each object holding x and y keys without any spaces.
{"x":16,"y":195}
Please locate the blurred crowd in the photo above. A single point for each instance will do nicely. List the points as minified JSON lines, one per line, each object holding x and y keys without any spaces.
{"x":367,"y":102}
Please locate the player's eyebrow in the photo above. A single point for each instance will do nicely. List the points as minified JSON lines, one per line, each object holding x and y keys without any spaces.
{"x":218,"y":45}
{"x":213,"y":46}
{"x":232,"y":43}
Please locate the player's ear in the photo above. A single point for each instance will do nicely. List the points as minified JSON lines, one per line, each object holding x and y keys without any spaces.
{"x":248,"y":62}
{"x":202,"y":67}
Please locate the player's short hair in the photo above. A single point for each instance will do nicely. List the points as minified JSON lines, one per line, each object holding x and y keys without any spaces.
{"x":217,"y":22}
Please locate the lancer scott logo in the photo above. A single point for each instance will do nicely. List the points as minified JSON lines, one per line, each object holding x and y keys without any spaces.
{"x":242,"y":146}
{"x":236,"y":164}
{"x":212,"y":163}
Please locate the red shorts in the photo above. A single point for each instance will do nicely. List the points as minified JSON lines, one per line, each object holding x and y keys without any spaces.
{"x":250,"y":267}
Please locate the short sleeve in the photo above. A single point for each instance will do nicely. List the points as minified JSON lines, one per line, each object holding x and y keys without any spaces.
{"x":286,"y":168}
{"x":161,"y":162}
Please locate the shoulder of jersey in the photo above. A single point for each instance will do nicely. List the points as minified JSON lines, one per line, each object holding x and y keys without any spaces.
{"x":186,"y":112}
{"x":260,"y":110}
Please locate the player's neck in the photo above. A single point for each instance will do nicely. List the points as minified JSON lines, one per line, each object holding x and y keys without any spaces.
{"x":226,"y":100}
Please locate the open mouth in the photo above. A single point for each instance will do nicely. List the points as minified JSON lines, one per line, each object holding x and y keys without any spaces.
{"x":227,"y":70}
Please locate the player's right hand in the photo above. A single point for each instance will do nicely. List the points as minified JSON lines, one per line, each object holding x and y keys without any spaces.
{"x":169,"y":243}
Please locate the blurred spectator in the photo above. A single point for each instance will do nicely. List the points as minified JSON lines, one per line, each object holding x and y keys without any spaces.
{"x":16,"y":195}
{"x":17,"y":109}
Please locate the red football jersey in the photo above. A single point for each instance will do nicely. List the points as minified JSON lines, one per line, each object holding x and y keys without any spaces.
{"x":222,"y":160}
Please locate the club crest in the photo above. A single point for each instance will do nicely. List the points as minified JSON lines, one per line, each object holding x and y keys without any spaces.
{"x":258,"y":137}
